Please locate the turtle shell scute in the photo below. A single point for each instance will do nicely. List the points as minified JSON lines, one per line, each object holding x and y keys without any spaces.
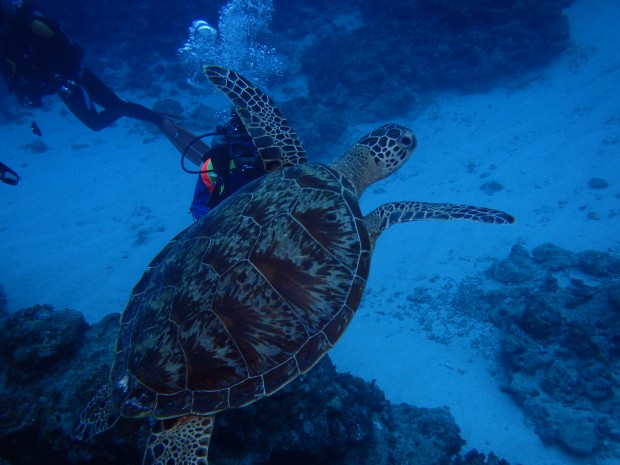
{"x":173,"y":405}
{"x":247,"y":392}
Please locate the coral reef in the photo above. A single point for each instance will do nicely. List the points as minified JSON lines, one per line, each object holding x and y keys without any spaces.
{"x":3,"y":309}
{"x":40,"y":336}
{"x":560,"y":344}
{"x":52,"y":362}
{"x":355,"y":425}
{"x":364,"y":60}
{"x":548,"y":321}
{"x":476,"y":458}
{"x":381,"y":65}
{"x":558,"y":316}
{"x":42,"y":397}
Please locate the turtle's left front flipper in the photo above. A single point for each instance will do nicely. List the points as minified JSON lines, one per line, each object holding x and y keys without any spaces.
{"x":99,"y":415}
{"x":391,"y":213}
{"x":180,"y":441}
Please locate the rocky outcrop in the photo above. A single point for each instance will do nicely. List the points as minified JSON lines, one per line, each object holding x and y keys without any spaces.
{"x":559,"y":315}
{"x":52,"y":362}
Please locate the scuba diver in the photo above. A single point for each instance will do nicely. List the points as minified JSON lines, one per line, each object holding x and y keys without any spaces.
{"x":230,"y":163}
{"x":37,"y":58}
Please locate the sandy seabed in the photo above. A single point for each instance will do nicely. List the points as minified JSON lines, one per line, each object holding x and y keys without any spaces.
{"x":92,"y":209}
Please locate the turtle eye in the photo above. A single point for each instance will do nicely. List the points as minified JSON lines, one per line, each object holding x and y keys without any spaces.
{"x":406,"y":141}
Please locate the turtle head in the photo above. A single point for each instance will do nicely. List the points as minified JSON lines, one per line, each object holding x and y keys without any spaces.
{"x":389,"y":147}
{"x":376,"y":155}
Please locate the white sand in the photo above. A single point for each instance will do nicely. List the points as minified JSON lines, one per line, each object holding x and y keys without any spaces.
{"x":546,"y":141}
{"x":68,"y":231}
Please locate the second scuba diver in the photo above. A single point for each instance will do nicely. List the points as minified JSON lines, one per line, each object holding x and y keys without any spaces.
{"x":37,"y":58}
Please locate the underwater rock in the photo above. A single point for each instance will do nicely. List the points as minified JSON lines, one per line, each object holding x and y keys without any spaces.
{"x":354,"y":423}
{"x":578,"y":292}
{"x":613,"y":293}
{"x":596,"y":263}
{"x":597,"y":183}
{"x":40,"y":335}
{"x":202,"y":116}
{"x":474,"y":457}
{"x":36,"y":146}
{"x":520,"y":355}
{"x":560,"y":344}
{"x":324,"y":130}
{"x":424,"y":435}
{"x":517,"y":268}
{"x":436,"y":44}
{"x":539,"y":319}
{"x":3,"y":302}
{"x":552,"y":257}
{"x":41,"y":401}
{"x":575,"y":430}
{"x":169,"y":106}
{"x":491,"y":187}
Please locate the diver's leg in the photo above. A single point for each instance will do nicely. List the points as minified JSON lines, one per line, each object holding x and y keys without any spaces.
{"x":137,"y":111}
{"x":99,"y":93}
{"x":103,"y":96}
{"x":78,"y":101}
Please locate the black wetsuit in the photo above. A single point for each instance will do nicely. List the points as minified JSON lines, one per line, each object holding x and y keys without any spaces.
{"x":82,"y":93}
{"x":37,"y":58}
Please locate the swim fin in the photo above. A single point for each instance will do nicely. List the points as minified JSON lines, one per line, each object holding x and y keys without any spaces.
{"x":8,"y":176}
{"x":186,"y":143}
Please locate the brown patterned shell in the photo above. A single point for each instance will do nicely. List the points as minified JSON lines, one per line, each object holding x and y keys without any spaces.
{"x":245,"y":300}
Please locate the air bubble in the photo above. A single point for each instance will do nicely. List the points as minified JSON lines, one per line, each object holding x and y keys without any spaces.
{"x":237,"y":43}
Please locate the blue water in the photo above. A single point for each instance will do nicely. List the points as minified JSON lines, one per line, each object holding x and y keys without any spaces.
{"x":514,"y":105}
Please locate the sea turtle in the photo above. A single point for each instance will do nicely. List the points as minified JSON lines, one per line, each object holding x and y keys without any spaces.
{"x":256,"y":292}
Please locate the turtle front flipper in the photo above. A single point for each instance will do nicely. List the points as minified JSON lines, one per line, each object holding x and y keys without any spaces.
{"x":180,"y":441}
{"x":277,"y":143}
{"x":391,"y":213}
{"x":98,"y":416}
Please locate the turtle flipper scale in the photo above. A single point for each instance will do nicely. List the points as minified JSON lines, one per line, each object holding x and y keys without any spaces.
{"x":181,"y":441}
{"x":98,"y":416}
{"x":277,"y":143}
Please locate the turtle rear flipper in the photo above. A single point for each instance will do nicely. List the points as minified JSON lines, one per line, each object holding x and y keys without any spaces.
{"x":98,"y":416}
{"x":181,"y":441}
